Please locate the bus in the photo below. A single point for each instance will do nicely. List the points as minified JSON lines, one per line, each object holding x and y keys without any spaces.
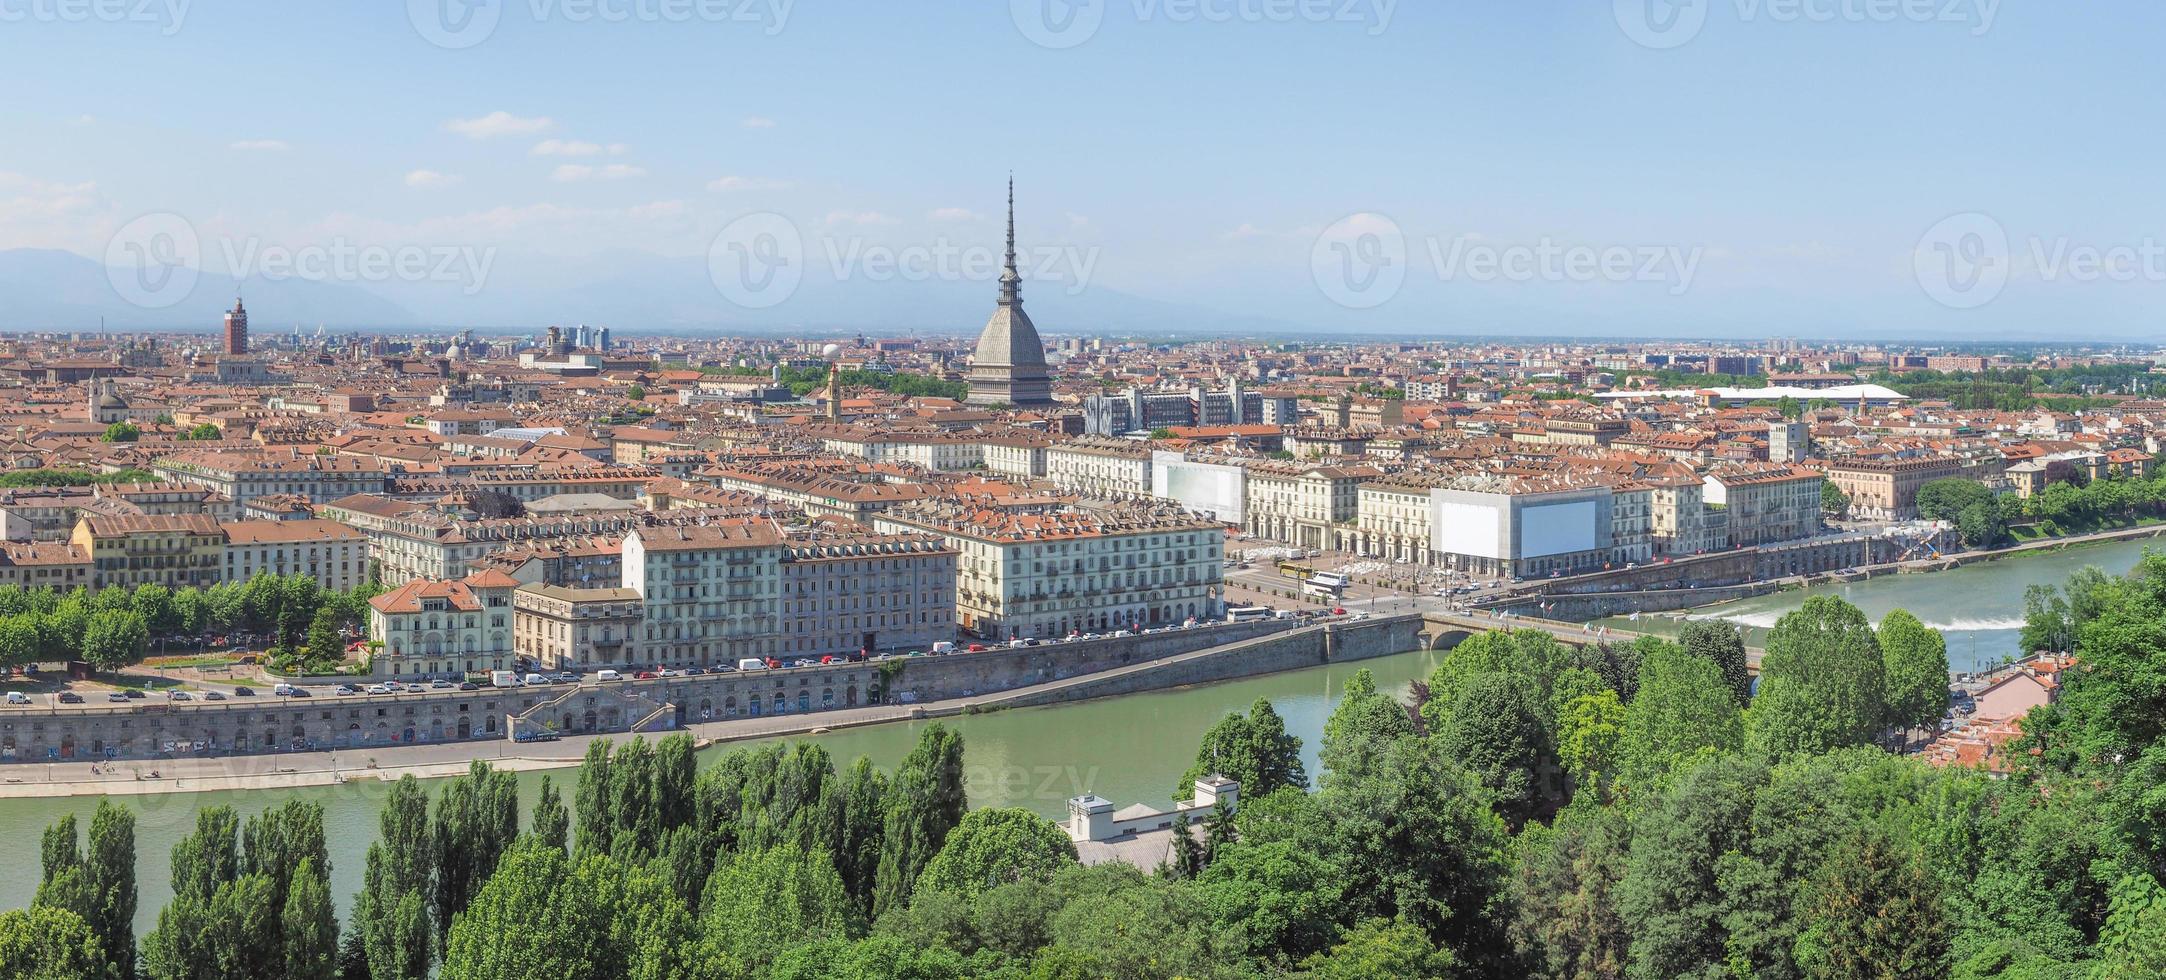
{"x":1292,"y":569}
{"x":1325,"y":586}
{"x":1247,"y":614}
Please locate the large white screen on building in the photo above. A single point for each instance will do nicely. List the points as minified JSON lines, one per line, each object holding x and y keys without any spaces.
{"x":1214,"y":490}
{"x":1555,"y":529}
{"x":1466,"y":529}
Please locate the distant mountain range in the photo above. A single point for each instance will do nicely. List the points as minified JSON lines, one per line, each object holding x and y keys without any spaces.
{"x":42,"y":289}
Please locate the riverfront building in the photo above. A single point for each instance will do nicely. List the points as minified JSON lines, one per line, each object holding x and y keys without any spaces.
{"x":1047,"y":575}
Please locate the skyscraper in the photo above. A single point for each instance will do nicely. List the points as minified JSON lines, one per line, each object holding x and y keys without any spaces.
{"x":1010,"y":364}
{"x":237,"y":328}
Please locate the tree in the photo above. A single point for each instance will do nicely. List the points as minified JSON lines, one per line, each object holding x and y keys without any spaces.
{"x":1377,"y":948}
{"x":1494,"y":731}
{"x":109,"y":867}
{"x":1564,"y":892}
{"x":1254,"y":751}
{"x":1724,"y":645}
{"x":495,"y":504}
{"x":1590,"y":730}
{"x":121,"y":432}
{"x":391,"y":914}
{"x":325,"y":646}
{"x":758,"y":903}
{"x":45,"y":943}
{"x":925,"y":801}
{"x":1363,"y":725}
{"x":636,"y":393}
{"x":1873,"y":910}
{"x":552,"y":825}
{"x":1833,"y":501}
{"x":309,"y":925}
{"x":477,"y":818}
{"x":1915,"y":658}
{"x":1671,"y":891}
{"x":112,"y":640}
{"x":1822,"y":681}
{"x":1685,"y":713}
{"x":996,"y":846}
{"x":589,"y":917}
{"x":205,"y":431}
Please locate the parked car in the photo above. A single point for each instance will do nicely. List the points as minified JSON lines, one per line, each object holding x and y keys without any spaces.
{"x":469,"y":686}
{"x":349,"y":689}
{"x":645,"y":675}
{"x":373,"y":689}
{"x":440,"y":684}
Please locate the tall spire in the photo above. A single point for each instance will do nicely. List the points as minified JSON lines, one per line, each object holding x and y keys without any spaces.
{"x":1010,"y":280}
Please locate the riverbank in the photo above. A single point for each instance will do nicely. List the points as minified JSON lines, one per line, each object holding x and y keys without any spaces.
{"x":1294,"y":649}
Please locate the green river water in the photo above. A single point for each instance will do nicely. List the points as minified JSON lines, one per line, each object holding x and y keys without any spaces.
{"x":1128,"y":749}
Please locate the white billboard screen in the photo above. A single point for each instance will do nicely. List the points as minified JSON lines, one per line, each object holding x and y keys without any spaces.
{"x":1466,"y":529}
{"x":1202,"y":487}
{"x":1556,"y":529}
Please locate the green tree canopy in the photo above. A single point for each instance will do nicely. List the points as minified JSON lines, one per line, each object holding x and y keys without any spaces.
{"x":1822,"y":681}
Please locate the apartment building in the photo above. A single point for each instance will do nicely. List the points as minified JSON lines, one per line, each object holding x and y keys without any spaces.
{"x":561,"y":627}
{"x":817,"y":490}
{"x":1763,"y":505}
{"x":243,"y":476}
{"x":1304,"y":506}
{"x":1104,"y":469}
{"x":45,"y":564}
{"x":433,"y":628}
{"x":712,"y":593}
{"x":1887,"y":489}
{"x":176,"y":551}
{"x":335,"y":555}
{"x":852,"y":593}
{"x":1392,"y":519}
{"x":1046,"y":575}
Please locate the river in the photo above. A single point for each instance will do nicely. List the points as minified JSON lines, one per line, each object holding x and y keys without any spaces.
{"x":1978,"y":608}
{"x":1128,"y":750}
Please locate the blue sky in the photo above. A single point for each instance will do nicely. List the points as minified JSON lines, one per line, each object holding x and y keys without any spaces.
{"x":1796,"y":159}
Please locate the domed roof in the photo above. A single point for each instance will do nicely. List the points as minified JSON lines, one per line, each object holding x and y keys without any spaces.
{"x":1010,"y":339}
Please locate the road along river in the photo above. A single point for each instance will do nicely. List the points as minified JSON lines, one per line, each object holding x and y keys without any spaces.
{"x":1127,"y":749}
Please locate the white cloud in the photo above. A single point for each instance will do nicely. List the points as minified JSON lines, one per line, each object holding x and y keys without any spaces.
{"x":569,"y":172}
{"x":430,"y":179}
{"x":758,"y":122}
{"x":265,"y":146}
{"x":747,"y":184}
{"x":858,"y":218}
{"x":956,"y":214}
{"x":499,"y":123}
{"x":83,"y":121}
{"x":39,"y":213}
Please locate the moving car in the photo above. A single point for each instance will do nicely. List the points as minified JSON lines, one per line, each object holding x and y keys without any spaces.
{"x":70,"y":697}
